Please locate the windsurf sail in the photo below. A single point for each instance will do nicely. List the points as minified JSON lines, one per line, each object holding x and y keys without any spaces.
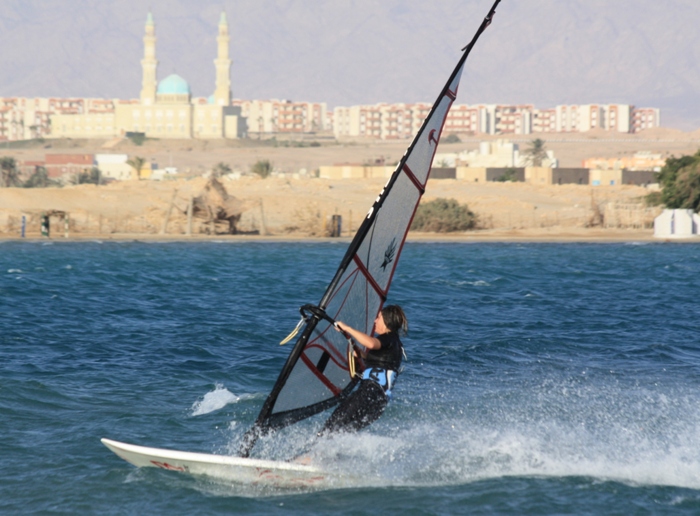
{"x":316,"y":375}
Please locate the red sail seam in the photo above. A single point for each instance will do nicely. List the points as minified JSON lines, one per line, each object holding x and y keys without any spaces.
{"x":370,"y":279}
{"x":331,"y":387}
{"x":409,"y":173}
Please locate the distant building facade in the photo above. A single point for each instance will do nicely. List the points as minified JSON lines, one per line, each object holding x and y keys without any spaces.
{"x":642,"y":160}
{"x":283,"y":116}
{"x":68,"y":166}
{"x":396,"y":121}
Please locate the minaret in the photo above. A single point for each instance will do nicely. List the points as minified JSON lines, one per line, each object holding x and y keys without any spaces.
{"x":149,"y":63}
{"x":222,"y":94}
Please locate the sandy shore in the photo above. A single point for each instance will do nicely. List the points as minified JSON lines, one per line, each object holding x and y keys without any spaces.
{"x":549,"y":235}
{"x":297,"y":207}
{"x":294,"y":209}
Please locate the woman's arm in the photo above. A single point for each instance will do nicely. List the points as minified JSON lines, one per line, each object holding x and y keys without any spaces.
{"x":362,"y":338}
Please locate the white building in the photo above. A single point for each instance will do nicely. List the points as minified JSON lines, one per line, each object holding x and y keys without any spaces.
{"x":676,"y":224}
{"x":495,"y":154}
{"x":114,"y":166}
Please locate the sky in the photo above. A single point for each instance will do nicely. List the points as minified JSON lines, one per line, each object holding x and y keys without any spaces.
{"x":348,"y":52}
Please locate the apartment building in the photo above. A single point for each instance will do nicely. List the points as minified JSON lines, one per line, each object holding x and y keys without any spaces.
{"x":645,"y":118}
{"x":383,"y":120}
{"x":25,"y":118}
{"x":283,"y":116}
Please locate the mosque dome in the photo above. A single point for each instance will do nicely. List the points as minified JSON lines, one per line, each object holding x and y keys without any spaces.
{"x":173,"y":84}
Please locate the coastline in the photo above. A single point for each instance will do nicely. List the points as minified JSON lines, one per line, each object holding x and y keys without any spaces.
{"x":545,"y":235}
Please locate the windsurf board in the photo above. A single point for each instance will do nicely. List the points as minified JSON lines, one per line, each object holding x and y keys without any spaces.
{"x":236,"y":469}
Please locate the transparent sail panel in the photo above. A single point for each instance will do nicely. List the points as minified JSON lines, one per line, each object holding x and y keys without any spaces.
{"x":320,"y":374}
{"x":380,"y":250}
{"x":421,"y":157}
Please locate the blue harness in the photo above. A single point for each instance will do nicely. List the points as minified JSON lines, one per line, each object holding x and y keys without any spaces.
{"x":385,"y":378}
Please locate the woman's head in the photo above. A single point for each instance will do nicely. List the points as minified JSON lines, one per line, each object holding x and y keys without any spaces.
{"x":394,"y":319}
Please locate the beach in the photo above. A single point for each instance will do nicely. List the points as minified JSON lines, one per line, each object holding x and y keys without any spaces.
{"x":293,"y":205}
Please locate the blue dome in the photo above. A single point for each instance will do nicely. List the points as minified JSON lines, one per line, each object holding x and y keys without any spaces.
{"x":174,"y":84}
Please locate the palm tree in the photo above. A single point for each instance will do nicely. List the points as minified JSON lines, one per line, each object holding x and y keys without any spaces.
{"x":136,"y":163}
{"x":536,"y":153}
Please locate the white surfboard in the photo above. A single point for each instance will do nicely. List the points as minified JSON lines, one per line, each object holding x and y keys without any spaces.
{"x":235,"y":469}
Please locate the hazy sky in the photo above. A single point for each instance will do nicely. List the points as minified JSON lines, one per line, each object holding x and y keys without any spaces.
{"x":346,"y":52}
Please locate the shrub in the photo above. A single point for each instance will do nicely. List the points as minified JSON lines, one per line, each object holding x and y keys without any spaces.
{"x":508,"y":176}
{"x":39,"y":179}
{"x":443,"y":216}
{"x":136,"y":137}
{"x":220,"y":169}
{"x":654,"y":199}
{"x":262,"y":167}
{"x":94,"y":177}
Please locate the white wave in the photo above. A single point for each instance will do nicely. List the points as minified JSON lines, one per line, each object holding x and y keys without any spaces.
{"x":455,"y":449}
{"x":428,"y":454}
{"x":15,"y":271}
{"x":461,"y":283}
{"x":214,"y":400}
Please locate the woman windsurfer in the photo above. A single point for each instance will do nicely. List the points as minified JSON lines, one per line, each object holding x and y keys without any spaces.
{"x":382,"y":356}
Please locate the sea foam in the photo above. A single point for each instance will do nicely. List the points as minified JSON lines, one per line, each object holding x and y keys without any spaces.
{"x":214,"y":400}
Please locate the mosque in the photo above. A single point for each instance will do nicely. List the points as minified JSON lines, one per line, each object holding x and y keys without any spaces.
{"x":165,"y":109}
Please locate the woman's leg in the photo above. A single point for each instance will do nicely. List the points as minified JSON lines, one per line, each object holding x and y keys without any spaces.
{"x":364,"y":406}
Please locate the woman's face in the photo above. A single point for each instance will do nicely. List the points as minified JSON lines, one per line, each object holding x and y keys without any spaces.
{"x":379,"y":326}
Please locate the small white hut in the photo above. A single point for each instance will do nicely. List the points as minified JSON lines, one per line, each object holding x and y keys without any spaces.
{"x":677,"y":224}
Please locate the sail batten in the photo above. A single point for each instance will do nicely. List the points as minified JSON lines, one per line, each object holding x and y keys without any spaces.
{"x":316,"y":374}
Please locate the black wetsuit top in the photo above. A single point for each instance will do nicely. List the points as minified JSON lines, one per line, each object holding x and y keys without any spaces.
{"x":389,"y":355}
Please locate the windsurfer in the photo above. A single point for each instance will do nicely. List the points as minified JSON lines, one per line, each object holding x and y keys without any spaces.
{"x":382,"y":357}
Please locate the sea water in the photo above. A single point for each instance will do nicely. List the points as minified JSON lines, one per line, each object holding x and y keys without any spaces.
{"x":540,"y":378}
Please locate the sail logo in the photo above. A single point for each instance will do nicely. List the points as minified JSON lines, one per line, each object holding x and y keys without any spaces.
{"x":389,"y":254}
{"x":431,"y":137}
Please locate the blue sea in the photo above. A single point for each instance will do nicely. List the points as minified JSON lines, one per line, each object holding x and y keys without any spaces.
{"x":540,"y":379}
